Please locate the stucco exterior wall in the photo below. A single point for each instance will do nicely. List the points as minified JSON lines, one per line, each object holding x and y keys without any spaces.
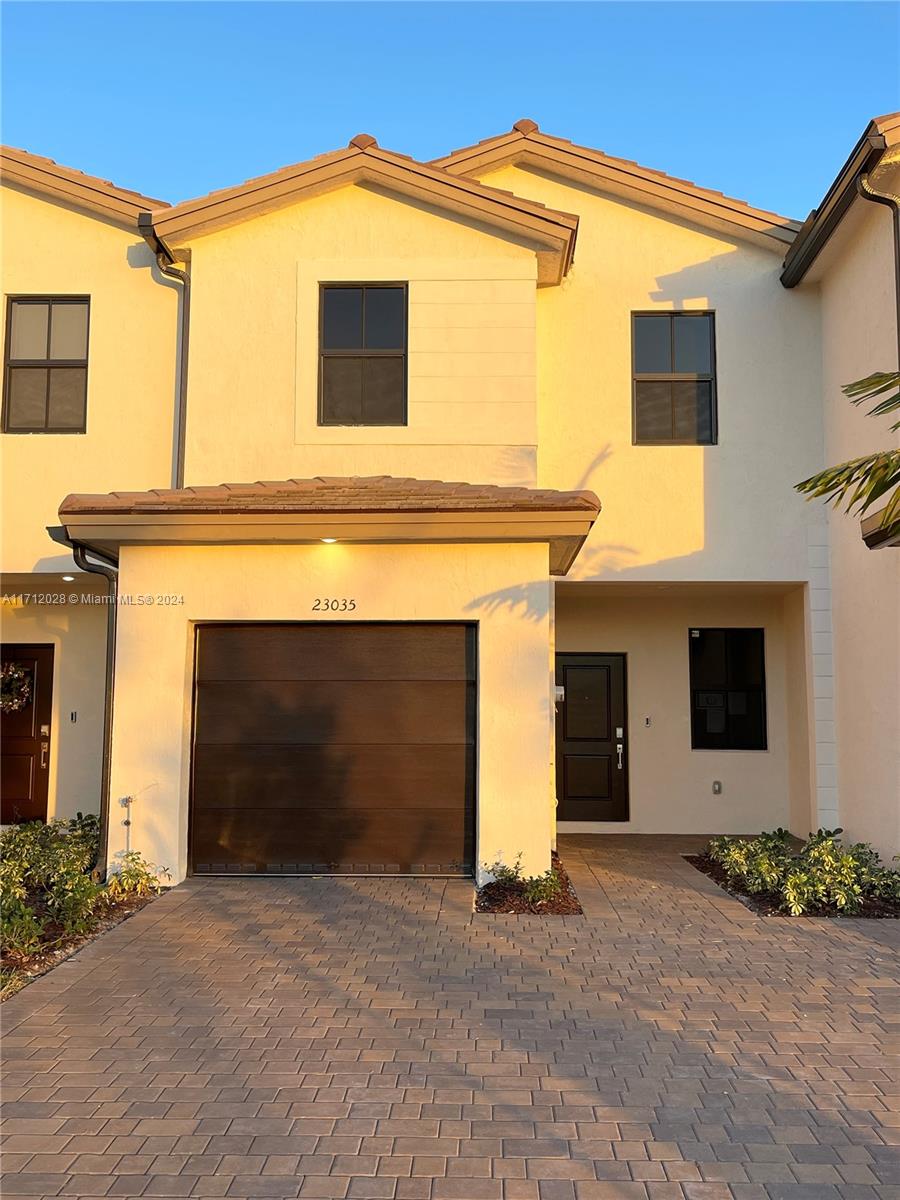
{"x":859,"y":336}
{"x":724,"y":512}
{"x":253,"y":384}
{"x":671,"y":784}
{"x":77,"y":632}
{"x":504,"y":588}
{"x":48,"y":249}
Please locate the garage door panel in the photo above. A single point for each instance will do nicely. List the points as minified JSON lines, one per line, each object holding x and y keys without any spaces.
{"x":347,"y":712}
{"x":300,"y":840}
{"x":307,"y":777}
{"x":339,"y":746}
{"x":305,"y":652}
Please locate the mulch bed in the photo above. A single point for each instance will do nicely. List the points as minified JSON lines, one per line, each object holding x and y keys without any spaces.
{"x":21,"y":969}
{"x":509,"y":898}
{"x":768,"y":904}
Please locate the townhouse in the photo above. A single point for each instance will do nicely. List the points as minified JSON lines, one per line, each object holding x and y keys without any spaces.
{"x":387,"y":516}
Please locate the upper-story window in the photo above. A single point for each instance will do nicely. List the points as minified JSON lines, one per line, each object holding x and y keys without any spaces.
{"x":674,"y":366}
{"x":45,"y":373}
{"x":362,"y":354}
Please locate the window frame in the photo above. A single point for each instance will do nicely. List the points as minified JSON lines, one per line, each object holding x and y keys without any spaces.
{"x":364,"y":285}
{"x":763,"y":689}
{"x":47,"y":364}
{"x":676,"y":376}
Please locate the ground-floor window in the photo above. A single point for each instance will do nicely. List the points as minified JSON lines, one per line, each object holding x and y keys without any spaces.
{"x":728,"y":689}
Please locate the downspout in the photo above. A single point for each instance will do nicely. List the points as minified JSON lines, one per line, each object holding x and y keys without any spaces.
{"x":891,"y":201}
{"x":164,"y":260}
{"x":111,"y":575}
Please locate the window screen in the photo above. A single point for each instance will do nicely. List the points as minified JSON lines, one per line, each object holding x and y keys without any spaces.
{"x":45,"y":384}
{"x":728,"y":689}
{"x":674,"y":396}
{"x":362,"y":354}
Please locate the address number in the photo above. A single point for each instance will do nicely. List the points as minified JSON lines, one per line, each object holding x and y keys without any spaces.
{"x":340,"y":605}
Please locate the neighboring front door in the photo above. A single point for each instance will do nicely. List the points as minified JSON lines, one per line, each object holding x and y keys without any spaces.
{"x":27,"y":705}
{"x":591,"y":738}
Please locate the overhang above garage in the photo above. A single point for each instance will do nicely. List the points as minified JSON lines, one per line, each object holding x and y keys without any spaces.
{"x":366,"y":510}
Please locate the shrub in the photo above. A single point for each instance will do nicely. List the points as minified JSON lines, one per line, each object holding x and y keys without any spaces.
{"x":535,"y":888}
{"x":823,"y":875}
{"x":20,"y":928}
{"x":46,"y":884}
{"x":135,"y":877}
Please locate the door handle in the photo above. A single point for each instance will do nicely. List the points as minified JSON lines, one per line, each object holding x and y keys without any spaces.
{"x":620,"y":754}
{"x":44,"y":746}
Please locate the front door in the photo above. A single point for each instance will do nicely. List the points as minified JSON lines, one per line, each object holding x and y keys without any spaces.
{"x":591,"y":738}
{"x":27,"y":705}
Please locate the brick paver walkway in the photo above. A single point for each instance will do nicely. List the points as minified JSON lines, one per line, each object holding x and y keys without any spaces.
{"x":373,"y":1038}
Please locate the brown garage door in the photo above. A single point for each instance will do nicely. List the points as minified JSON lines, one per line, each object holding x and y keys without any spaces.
{"x":333,"y":747}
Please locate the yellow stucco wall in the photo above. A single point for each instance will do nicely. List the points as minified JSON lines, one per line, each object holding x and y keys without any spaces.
{"x":859,"y":336}
{"x":254,"y":344}
{"x":671,"y":784}
{"x":724,"y":512}
{"x":49,"y":249}
{"x":504,"y":588}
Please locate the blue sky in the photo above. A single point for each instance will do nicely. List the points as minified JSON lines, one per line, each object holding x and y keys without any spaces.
{"x":762,"y":101}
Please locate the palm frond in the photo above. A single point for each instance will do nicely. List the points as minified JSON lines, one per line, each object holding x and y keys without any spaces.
{"x":863,"y":390}
{"x":859,"y":483}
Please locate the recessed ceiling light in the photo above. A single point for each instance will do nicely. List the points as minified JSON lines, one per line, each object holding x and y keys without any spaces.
{"x":68,"y":578}
{"x":328,"y":541}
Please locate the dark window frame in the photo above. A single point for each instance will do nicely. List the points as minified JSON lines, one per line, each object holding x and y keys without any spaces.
{"x":363,"y":352}
{"x":762,"y":688}
{"x":676,"y":377}
{"x":48,"y":364}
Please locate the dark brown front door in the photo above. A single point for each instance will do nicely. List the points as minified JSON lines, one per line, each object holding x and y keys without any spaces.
{"x":591,"y":738}
{"x":26,"y":736}
{"x":339,"y":747}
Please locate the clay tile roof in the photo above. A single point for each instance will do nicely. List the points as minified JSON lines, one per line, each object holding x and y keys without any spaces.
{"x":363,"y":160}
{"x":527,"y":143}
{"x":373,"y":494}
{"x":50,"y":178}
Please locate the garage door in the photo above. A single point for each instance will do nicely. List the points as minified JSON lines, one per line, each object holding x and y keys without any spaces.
{"x":333,"y":747}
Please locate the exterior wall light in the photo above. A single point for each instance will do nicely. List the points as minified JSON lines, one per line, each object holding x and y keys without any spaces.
{"x":68,"y":578}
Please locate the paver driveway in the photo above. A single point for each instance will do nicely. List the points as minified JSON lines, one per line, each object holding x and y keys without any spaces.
{"x":371,"y":1038}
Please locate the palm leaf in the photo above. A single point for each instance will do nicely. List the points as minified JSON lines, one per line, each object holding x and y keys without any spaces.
{"x":859,"y":483}
{"x":873,"y":386}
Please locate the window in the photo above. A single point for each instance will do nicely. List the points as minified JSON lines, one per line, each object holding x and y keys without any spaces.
{"x":45,"y":377}
{"x":362,"y":354}
{"x":728,"y":689}
{"x":674,"y":362}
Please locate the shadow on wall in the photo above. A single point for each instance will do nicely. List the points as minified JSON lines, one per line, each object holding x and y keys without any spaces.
{"x":269,"y":782}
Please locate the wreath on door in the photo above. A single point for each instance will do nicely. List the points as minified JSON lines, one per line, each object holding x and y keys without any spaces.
{"x":15,"y":687}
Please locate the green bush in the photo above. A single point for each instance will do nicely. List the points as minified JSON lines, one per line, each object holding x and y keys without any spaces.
{"x":20,"y":929}
{"x":535,"y":888}
{"x":45,"y":881}
{"x":132,"y":876}
{"x":821,"y":876}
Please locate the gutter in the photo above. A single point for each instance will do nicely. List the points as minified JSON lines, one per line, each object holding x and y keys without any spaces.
{"x":165,"y":260}
{"x":108,"y":570}
{"x":822,"y":221}
{"x":890,"y":200}
{"x":875,"y":533}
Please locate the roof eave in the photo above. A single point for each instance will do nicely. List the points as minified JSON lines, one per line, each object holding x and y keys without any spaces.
{"x":91,"y":195}
{"x":563,"y":531}
{"x":600,"y":171}
{"x":550,"y":233}
{"x":821,"y":223}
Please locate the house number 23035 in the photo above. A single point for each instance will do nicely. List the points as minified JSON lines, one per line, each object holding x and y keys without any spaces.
{"x":342,"y":604}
